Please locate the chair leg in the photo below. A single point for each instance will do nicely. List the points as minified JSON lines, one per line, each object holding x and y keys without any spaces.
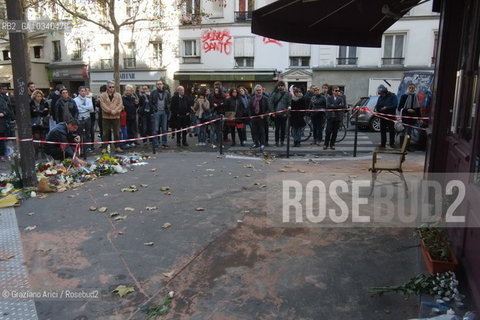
{"x":372,"y":182}
{"x":404,"y":183}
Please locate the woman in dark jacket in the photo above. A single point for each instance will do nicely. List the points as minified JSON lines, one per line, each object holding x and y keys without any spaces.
{"x":217,"y":105}
{"x":297,"y":118}
{"x":39,"y":110}
{"x":234,"y":109}
{"x":244,"y":102}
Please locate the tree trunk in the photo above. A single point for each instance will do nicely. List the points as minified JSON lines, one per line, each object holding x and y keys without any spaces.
{"x":116,"y":58}
{"x":22,"y":99}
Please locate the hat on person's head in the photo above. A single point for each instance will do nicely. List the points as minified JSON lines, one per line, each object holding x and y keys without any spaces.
{"x":382,"y":89}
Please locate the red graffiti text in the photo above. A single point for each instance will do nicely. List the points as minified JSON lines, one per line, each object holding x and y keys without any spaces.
{"x":220,"y":41}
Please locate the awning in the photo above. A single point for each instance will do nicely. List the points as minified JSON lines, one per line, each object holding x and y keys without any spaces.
{"x":337,"y":22}
{"x":269,"y":75}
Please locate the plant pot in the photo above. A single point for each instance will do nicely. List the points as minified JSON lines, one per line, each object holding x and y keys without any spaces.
{"x":438,"y":266}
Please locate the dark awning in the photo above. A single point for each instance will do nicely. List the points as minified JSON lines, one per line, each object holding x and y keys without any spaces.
{"x":338,"y":22}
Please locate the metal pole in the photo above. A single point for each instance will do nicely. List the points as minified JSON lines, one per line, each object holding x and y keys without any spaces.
{"x":356,"y":134}
{"x":22,"y":99}
{"x":150,"y":132}
{"x":288,"y":131}
{"x":220,"y":136}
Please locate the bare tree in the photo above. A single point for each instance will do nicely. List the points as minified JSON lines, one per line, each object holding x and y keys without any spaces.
{"x":105,"y":15}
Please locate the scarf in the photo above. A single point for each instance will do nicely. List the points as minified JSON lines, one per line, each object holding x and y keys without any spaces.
{"x":256,"y":103}
{"x":412,"y":101}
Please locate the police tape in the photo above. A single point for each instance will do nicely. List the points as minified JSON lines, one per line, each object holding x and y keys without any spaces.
{"x":392,"y":117}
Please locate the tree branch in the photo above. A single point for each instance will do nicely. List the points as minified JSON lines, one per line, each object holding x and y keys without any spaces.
{"x":81,"y":16}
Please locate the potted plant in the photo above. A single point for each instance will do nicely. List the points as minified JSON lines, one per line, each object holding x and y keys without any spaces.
{"x":436,"y":250}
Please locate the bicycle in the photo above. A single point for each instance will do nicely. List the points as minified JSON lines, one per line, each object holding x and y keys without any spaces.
{"x":308,"y":131}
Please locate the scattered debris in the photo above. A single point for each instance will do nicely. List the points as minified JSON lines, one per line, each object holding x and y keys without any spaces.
{"x":30,"y":214}
{"x":102,"y":209}
{"x":169,"y":274}
{"x":30,"y":228}
{"x":301,"y":171}
{"x":166,"y":225}
{"x":199,"y":209}
{"x":168,"y":193}
{"x":249,"y":166}
{"x":7,"y":257}
{"x":148,"y":244}
{"x":119,"y":218}
{"x":114,"y":214}
{"x":92,"y":208}
{"x":123,"y":290}
{"x":164,"y":188}
{"x":151,"y":208}
{"x":144,"y":185}
{"x":132,"y":188}
{"x":129,"y":209}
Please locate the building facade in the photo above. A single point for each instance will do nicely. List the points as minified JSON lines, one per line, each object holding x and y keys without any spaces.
{"x":219,"y":45}
{"x":195,"y":43}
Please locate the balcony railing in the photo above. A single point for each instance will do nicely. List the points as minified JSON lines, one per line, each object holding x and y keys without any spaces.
{"x":347,"y":61}
{"x":191,"y":18}
{"x":243,"y":16}
{"x":393,"y":61}
{"x":106,"y":64}
{"x":129,"y":63}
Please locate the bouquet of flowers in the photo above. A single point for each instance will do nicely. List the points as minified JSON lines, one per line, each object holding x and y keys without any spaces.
{"x":441,"y":285}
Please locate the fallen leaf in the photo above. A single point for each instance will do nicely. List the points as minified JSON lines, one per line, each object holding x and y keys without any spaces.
{"x":199,"y":209}
{"x":44,"y":250}
{"x":102,"y":209}
{"x":268,"y":162}
{"x":114,"y":214}
{"x":149,"y":244}
{"x":7,"y":257}
{"x":287,"y":167}
{"x":120,"y":232}
{"x":151,"y":208}
{"x":119,"y":218}
{"x":256,"y":184}
{"x":210,"y":170}
{"x":236,"y":177}
{"x":92,"y":208}
{"x":42,"y":196}
{"x":144,"y":185}
{"x":250,"y":166}
{"x":153,"y":169}
{"x":282,"y":170}
{"x":71,"y":196}
{"x":168,"y":274}
{"x":248,"y":175}
{"x":30,"y":228}
{"x":123,"y":290}
{"x":166,"y":225}
{"x":164,"y":188}
{"x":30,"y":213}
{"x":61,"y":189}
{"x":105,"y":195}
{"x":129,"y":209}
{"x":168,"y":193}
{"x":129,"y":190}
{"x":263,"y":186}
{"x":301,"y":171}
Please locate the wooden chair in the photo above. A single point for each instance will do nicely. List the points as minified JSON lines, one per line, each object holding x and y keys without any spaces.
{"x":392,"y":165}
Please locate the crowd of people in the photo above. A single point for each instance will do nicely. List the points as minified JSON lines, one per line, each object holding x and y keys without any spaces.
{"x":67,"y":117}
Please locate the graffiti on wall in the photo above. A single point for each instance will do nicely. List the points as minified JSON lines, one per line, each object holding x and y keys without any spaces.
{"x":216,"y":40}
{"x":272,"y":41}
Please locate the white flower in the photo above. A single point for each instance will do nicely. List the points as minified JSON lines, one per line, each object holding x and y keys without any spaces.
{"x":171,"y":294}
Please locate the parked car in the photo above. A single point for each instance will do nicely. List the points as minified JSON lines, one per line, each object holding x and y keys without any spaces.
{"x":366,"y":120}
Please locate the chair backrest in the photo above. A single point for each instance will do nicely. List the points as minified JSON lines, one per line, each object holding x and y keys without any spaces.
{"x":406,"y":143}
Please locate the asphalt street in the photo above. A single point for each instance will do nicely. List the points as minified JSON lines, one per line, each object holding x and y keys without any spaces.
{"x":207,"y":239}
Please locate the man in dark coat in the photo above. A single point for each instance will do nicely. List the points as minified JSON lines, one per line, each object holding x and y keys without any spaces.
{"x":64,"y":133}
{"x":180,"y":114}
{"x":334,"y":118}
{"x":386,"y":105}
{"x":5,"y":116}
{"x":65,"y":108}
